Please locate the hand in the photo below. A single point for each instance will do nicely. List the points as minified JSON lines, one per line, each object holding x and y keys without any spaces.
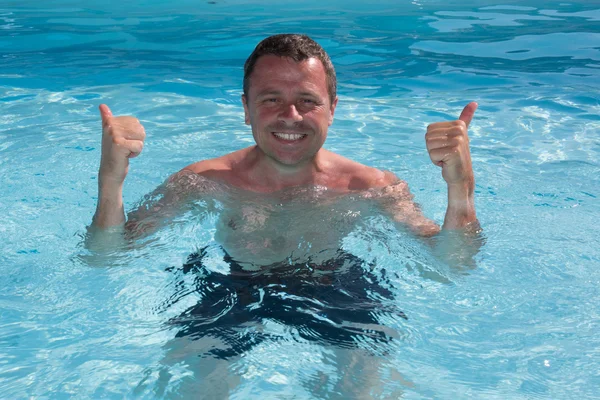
{"x":122,"y":139}
{"x":448,"y":147}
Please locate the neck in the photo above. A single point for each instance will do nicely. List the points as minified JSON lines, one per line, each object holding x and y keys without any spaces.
{"x":271,"y":175}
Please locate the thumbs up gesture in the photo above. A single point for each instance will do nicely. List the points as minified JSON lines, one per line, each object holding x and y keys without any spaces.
{"x":122,"y":139}
{"x":448,"y":147}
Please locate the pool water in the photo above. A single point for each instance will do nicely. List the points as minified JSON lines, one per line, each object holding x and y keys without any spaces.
{"x":520,"y":322}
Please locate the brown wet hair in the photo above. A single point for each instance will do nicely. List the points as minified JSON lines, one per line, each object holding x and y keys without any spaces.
{"x":298,"y":48}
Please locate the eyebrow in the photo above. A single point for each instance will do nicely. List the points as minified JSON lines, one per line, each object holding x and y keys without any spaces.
{"x":268,"y":92}
{"x":271,"y":92}
{"x":311,"y":94}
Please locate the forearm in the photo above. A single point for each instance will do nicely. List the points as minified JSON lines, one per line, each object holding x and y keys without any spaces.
{"x":106,"y":233}
{"x":109,"y":211}
{"x":460,"y":213}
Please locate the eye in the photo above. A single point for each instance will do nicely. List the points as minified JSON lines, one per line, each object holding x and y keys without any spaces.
{"x":308,"y":103}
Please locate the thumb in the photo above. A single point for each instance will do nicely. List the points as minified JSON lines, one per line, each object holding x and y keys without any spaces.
{"x":467,"y":113}
{"x":105,"y":113}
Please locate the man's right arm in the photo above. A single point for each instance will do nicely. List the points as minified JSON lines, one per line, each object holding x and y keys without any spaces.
{"x":122,"y":139}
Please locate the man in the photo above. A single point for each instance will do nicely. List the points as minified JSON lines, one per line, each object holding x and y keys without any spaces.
{"x":289,"y":101}
{"x":271,"y":222}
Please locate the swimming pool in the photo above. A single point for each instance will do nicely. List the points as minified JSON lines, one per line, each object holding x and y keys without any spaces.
{"x":522,"y":324}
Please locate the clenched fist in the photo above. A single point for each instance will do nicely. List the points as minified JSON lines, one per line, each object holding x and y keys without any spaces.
{"x":448,"y":147}
{"x":122,"y":139}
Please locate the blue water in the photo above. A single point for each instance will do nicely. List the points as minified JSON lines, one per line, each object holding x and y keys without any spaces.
{"x":522,"y":323}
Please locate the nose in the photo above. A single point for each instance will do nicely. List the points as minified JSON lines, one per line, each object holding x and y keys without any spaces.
{"x":289,"y":114}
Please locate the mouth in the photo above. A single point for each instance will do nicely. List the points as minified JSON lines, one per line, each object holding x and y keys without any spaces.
{"x":289,"y":137}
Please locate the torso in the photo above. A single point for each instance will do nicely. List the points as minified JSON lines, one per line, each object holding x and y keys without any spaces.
{"x":301,"y":223}
{"x":298,"y":225}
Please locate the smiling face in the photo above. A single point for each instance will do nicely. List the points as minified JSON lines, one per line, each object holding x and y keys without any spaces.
{"x":288,"y":108}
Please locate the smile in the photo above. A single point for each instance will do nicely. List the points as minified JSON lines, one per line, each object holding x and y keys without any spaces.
{"x":289,"y":136}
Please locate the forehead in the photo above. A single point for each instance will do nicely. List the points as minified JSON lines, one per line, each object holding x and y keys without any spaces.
{"x":271,"y":70}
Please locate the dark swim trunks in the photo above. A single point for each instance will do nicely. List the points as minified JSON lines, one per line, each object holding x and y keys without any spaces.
{"x":333,"y":303}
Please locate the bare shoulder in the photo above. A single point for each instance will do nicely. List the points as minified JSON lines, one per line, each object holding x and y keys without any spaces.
{"x":220,"y":164}
{"x":357,"y":176}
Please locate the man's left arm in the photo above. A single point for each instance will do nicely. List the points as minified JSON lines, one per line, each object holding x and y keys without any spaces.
{"x":448,"y":147}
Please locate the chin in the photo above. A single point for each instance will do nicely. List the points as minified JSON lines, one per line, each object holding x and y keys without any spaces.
{"x":291,"y":160}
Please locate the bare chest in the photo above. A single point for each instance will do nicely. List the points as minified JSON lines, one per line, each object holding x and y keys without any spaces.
{"x":272,"y":232}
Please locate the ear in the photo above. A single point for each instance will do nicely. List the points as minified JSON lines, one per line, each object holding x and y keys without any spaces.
{"x":246,"y":112}
{"x":332,"y":110}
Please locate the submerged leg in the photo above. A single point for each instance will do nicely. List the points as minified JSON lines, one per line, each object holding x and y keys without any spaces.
{"x":188,"y":373}
{"x":364,"y":375}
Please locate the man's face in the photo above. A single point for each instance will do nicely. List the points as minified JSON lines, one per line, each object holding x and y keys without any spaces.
{"x":288,"y":107}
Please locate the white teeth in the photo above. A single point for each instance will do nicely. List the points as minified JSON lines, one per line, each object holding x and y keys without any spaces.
{"x":289,"y":136}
